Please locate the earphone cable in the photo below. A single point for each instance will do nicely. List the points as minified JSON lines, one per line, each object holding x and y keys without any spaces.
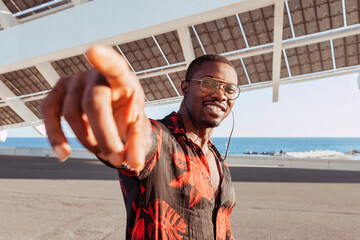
{"x":232,"y":129}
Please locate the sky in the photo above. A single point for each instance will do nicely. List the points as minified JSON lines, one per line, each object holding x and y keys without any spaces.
{"x":320,"y":108}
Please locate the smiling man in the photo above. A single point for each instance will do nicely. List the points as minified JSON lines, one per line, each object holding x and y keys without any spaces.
{"x":174,"y":182}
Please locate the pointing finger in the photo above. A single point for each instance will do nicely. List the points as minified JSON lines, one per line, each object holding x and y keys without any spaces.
{"x":110,"y":64}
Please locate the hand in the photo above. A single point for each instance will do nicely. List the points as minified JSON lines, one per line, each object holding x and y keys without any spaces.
{"x":104,"y":108}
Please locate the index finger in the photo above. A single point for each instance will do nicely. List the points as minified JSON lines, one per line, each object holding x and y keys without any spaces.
{"x":109,"y":63}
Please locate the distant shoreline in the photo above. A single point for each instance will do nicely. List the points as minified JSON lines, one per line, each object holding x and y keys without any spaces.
{"x":79,"y":152}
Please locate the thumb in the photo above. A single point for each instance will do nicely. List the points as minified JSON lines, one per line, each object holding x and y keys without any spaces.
{"x":138,"y":144}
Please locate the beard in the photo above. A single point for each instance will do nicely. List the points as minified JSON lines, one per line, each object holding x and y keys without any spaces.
{"x":211,"y":123}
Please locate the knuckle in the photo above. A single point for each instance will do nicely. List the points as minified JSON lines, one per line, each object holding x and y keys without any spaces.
{"x":61,"y":84}
{"x":95,"y":98}
{"x":71,"y":110}
{"x":45,"y":104}
{"x":88,"y":101}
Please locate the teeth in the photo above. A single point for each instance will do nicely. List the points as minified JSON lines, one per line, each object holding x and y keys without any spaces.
{"x":215,"y":108}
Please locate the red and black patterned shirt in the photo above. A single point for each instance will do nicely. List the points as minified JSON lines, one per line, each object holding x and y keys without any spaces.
{"x":172,"y":197}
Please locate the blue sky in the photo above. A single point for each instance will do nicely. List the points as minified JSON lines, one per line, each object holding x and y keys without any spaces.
{"x":320,"y":108}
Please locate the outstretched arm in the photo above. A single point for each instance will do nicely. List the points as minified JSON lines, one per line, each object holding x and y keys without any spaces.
{"x":104,"y":108}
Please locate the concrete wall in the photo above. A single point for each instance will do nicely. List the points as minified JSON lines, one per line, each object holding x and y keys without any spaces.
{"x":43,"y":152}
{"x":332,"y":164}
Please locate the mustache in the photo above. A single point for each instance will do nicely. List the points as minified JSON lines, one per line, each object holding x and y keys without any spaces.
{"x":221,"y":104}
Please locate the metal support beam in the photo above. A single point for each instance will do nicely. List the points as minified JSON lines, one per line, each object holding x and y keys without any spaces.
{"x":278,"y":30}
{"x":45,"y":13}
{"x":6,"y":18}
{"x":48,"y":72}
{"x":295,"y":42}
{"x":263,"y":49}
{"x":123,"y":55}
{"x":186,"y":44}
{"x":242,"y":31}
{"x":168,"y":63}
{"x":173,"y":85}
{"x":305,"y":78}
{"x":290,"y":19}
{"x":17,"y":105}
{"x":19,"y":125}
{"x":283,"y":81}
{"x":344,"y":12}
{"x":161,"y":71}
{"x":245,"y":70}
{"x":164,"y":101}
{"x":244,"y":88}
{"x":29,"y":97}
{"x":287,"y":62}
{"x":199,"y":40}
{"x":20,"y":108}
{"x":242,"y":53}
{"x":333,"y":53}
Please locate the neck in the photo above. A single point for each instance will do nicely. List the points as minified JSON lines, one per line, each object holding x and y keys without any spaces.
{"x":196,"y":131}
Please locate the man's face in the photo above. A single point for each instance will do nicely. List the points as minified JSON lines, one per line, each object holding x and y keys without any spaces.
{"x":209,"y":110}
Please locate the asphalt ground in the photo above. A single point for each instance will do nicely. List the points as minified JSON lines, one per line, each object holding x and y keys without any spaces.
{"x":41,"y":198}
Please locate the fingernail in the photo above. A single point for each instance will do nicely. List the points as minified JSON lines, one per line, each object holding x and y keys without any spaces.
{"x":62,"y":151}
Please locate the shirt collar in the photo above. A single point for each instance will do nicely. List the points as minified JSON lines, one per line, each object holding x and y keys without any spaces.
{"x":176,"y":126}
{"x":174,"y":123}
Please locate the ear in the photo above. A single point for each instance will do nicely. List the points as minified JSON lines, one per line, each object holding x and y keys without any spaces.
{"x":184,"y":87}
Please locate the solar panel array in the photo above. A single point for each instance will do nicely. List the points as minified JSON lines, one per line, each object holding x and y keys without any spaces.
{"x":241,"y":31}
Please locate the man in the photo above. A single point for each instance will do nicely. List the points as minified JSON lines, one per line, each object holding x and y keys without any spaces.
{"x":174,"y":181}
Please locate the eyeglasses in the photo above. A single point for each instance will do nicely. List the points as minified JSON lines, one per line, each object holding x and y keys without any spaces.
{"x":211,"y":85}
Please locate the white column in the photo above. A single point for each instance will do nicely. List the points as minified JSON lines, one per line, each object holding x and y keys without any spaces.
{"x":278,"y":30}
{"x":48,"y":72}
{"x":186,"y":44}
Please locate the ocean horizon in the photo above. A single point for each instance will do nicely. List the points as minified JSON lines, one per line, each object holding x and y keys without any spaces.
{"x":293,"y":146}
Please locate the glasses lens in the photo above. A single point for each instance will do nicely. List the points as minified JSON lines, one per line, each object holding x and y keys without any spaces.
{"x":209,"y":85}
{"x":232,"y":91}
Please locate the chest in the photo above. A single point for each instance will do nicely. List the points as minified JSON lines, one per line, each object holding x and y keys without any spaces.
{"x":214,"y":171}
{"x":192,"y":175}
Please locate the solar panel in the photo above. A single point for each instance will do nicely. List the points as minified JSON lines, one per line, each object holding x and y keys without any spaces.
{"x":246,"y":38}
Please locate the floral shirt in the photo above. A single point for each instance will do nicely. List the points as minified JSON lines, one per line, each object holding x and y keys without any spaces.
{"x":172,"y":197}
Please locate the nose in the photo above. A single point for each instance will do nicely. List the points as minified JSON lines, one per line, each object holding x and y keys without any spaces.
{"x":220,"y":93}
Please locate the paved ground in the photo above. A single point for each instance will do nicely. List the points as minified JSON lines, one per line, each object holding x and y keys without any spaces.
{"x":81,"y":199}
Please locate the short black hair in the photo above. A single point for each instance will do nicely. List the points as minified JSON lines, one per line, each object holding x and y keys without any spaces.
{"x":197,"y":62}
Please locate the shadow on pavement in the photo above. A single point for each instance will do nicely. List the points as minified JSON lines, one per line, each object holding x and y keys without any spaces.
{"x":50,"y":168}
{"x":262,"y":174}
{"x":18,"y":167}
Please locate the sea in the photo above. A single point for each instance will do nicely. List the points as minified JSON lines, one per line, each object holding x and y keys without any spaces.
{"x":265,"y":146}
